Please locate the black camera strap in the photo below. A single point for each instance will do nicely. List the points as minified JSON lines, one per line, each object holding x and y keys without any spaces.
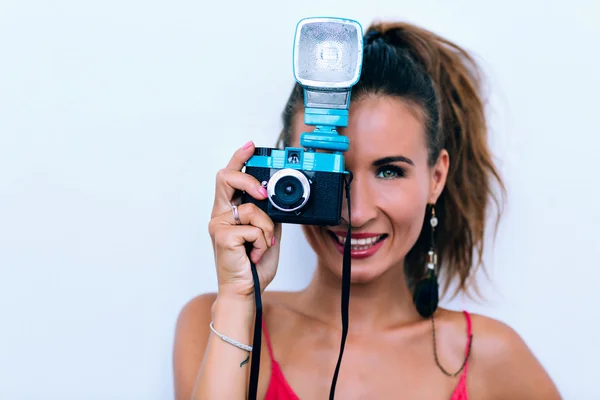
{"x":345,"y":288}
{"x":256,"y":342}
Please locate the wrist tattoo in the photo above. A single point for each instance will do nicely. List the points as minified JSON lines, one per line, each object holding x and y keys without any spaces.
{"x":245,"y":361}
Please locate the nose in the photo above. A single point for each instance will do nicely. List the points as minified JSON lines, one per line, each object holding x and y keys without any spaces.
{"x":362,"y":202}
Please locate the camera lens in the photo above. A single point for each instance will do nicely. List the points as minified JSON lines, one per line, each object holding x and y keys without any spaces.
{"x":288,"y":190}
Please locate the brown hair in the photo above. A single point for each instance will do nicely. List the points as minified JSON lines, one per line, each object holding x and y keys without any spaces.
{"x":412,"y":63}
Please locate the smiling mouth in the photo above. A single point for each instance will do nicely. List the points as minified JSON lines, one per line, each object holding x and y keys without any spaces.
{"x":358,"y":244}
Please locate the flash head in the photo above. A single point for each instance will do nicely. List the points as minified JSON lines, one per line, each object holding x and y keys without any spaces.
{"x":328,"y":56}
{"x":328,"y":53}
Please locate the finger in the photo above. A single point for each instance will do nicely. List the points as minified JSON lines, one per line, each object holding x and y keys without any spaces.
{"x":240,"y":157}
{"x":250,"y":214}
{"x":235,"y":236}
{"x":228,"y":182}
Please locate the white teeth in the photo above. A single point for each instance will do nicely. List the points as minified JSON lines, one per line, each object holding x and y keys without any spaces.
{"x":360,"y":244}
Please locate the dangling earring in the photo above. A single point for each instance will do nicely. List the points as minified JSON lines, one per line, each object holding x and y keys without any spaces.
{"x":426,"y":293}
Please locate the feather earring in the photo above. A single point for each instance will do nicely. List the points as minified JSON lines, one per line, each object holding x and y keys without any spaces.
{"x":426,"y":292}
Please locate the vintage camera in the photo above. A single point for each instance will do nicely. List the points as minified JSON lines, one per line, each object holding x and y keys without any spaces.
{"x":304,"y":185}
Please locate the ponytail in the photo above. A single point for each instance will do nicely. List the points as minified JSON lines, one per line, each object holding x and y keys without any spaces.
{"x":462,"y":131}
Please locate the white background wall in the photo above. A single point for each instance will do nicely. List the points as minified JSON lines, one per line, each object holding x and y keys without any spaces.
{"x":116,"y":115}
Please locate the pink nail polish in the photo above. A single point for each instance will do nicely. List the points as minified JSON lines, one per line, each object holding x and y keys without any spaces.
{"x":263,"y":191}
{"x":273,"y":241}
{"x":247,"y":145}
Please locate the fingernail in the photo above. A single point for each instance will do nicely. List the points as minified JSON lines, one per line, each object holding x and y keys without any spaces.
{"x":263,"y":191}
{"x":273,"y":241}
{"x":247,"y":145}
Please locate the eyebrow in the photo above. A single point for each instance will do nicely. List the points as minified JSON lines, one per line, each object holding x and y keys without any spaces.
{"x":391,"y":159}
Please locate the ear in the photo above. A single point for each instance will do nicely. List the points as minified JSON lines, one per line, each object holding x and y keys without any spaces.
{"x":439,"y":173}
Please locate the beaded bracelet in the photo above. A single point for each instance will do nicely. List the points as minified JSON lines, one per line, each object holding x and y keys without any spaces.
{"x":230,"y":340}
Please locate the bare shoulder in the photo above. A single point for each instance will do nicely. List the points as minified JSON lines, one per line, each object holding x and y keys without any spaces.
{"x":192,"y":328}
{"x":502,"y":366}
{"x":194,"y":317}
{"x":199,"y":304}
{"x":192,"y":332}
{"x":191,"y":336}
{"x":495,"y":338}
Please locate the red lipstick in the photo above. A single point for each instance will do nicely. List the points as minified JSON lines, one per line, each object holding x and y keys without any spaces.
{"x":358,"y":254}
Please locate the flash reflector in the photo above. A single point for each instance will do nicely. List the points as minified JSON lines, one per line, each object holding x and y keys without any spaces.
{"x":328,"y":53}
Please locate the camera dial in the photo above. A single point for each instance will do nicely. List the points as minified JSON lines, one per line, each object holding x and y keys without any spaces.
{"x":288,"y":190}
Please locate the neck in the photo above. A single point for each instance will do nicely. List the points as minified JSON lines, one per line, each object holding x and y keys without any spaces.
{"x":381,"y":303}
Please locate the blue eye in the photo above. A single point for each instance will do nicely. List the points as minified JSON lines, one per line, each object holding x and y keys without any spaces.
{"x":390,"y":172}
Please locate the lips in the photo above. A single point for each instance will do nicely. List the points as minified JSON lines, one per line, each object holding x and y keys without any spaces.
{"x":363,"y":245}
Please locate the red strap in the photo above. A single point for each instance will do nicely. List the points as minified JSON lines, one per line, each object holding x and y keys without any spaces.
{"x":264,"y":326}
{"x":469,"y":336}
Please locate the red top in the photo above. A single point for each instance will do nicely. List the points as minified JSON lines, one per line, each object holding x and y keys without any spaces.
{"x":279,"y":389}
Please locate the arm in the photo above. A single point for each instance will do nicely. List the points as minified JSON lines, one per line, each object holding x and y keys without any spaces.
{"x":504,"y":367}
{"x":204,"y":366}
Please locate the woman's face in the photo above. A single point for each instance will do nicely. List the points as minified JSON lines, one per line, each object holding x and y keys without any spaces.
{"x":392,"y":186}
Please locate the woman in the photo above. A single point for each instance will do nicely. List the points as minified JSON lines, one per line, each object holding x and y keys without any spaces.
{"x":420,"y":161}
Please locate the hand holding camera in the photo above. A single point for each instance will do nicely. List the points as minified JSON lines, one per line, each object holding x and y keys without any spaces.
{"x":305,"y":186}
{"x":297,"y":185}
{"x":293,"y":185}
{"x":234,"y":227}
